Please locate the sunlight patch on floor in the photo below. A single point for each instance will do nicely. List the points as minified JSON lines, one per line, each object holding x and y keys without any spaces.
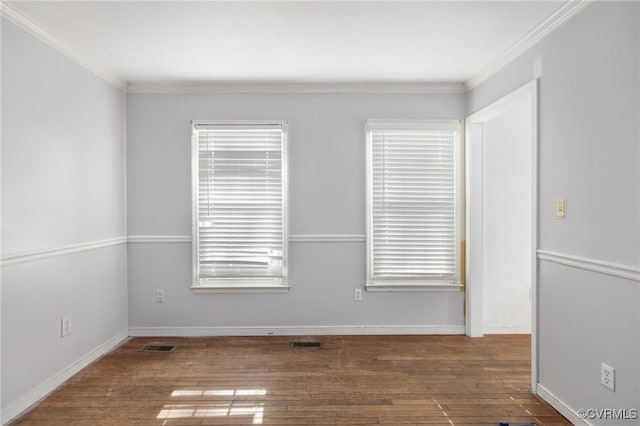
{"x":215,"y":409}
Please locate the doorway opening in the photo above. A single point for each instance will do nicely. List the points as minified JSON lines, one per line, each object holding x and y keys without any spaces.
{"x":502,"y":198}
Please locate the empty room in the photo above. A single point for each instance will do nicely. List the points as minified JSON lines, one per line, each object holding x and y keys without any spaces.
{"x":320,"y":212}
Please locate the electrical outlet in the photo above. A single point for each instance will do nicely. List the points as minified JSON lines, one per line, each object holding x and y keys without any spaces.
{"x":159,"y":296}
{"x":608,"y":376}
{"x":357,"y":294}
{"x":65,"y":325}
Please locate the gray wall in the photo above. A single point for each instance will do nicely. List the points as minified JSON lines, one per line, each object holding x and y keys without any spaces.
{"x":588,"y":153}
{"x":327,"y":196}
{"x":62,"y":185}
{"x":63,"y":179}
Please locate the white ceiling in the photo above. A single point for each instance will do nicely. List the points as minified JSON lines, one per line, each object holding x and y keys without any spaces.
{"x":290,"y":42}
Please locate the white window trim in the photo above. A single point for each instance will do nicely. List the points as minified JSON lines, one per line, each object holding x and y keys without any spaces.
{"x":404,"y":284}
{"x":239,"y":285}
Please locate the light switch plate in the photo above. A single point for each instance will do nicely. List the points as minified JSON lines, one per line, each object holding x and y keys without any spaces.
{"x":561,"y":208}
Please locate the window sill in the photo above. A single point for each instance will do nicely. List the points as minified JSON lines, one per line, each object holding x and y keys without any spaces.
{"x":239,"y":289}
{"x":413,"y":287}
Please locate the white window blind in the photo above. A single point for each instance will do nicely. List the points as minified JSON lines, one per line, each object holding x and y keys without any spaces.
{"x":240,"y":209}
{"x":412,"y":203}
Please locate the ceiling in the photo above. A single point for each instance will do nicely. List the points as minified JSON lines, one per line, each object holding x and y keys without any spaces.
{"x":289,"y":42}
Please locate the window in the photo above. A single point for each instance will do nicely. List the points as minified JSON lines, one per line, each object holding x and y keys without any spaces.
{"x":239,"y":172}
{"x":413,"y":204}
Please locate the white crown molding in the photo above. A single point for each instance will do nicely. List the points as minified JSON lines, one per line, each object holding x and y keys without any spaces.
{"x":30,"y":256}
{"x":295,"y":330}
{"x":593,"y":265}
{"x":19,"y":406}
{"x":284,"y":87}
{"x":30,"y":26}
{"x":559,"y":17}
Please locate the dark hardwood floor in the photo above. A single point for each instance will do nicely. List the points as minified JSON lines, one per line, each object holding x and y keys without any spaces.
{"x":366,"y":380}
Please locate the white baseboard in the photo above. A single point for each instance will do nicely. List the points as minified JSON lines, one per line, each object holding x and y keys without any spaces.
{"x":293,"y":331}
{"x":506,"y":329}
{"x":19,"y":406}
{"x":559,"y":405}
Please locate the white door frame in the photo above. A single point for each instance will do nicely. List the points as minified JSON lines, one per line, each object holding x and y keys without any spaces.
{"x":474,"y":214}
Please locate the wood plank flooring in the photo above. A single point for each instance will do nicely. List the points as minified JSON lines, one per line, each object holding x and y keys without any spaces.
{"x":365,"y":380}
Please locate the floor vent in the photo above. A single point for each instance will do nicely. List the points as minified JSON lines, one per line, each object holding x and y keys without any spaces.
{"x":306,"y":345}
{"x":157,"y":348}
